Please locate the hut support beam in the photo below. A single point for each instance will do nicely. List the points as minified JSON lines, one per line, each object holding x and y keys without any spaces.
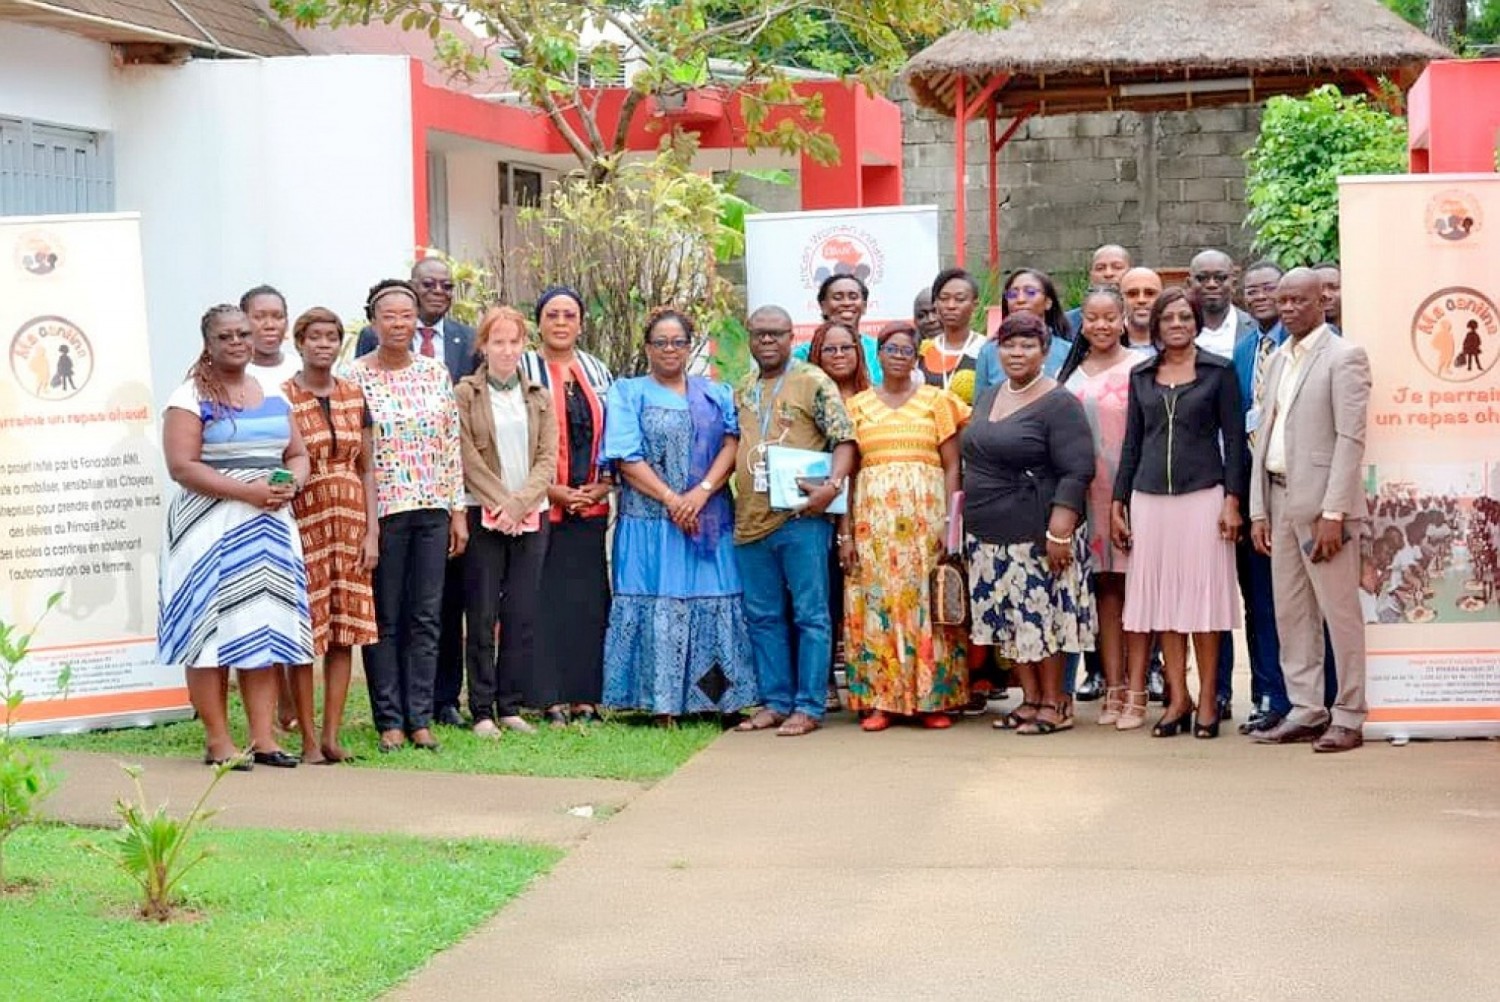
{"x":996,"y":144}
{"x":963,"y":110}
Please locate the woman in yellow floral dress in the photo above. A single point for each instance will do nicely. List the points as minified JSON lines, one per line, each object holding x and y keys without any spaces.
{"x":899,"y":663}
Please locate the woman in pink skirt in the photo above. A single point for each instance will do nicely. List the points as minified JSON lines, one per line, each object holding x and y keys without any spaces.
{"x":1177,"y":508}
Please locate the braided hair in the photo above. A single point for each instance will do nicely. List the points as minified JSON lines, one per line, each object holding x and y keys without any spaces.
{"x":1081,"y":346}
{"x":206,"y":379}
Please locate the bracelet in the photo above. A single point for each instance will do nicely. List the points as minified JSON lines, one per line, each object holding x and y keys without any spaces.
{"x":841,"y":539}
{"x":1059,"y":540}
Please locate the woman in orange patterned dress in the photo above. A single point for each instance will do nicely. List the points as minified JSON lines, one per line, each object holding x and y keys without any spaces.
{"x":899,"y":663}
{"x":340,"y":529}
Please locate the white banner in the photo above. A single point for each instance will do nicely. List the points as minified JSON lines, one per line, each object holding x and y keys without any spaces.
{"x":894,"y":251}
{"x":81,"y":473}
{"x":1422,"y":294}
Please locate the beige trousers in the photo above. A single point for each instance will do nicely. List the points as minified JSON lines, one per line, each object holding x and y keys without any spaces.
{"x":1307,"y":596}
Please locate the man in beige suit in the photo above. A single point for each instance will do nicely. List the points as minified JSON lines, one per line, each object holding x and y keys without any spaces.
{"x":1307,"y":513}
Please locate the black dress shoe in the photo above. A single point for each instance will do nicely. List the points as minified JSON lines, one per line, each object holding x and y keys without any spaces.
{"x":1261,"y":720}
{"x":448,"y":716}
{"x":277,"y":759}
{"x":1288,"y":733}
{"x":1225,"y":708}
{"x":1090,"y":689}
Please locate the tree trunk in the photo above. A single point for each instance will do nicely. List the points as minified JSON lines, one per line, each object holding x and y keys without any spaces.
{"x":1447,"y":20}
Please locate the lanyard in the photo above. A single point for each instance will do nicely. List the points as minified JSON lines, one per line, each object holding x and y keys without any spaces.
{"x":766,"y":415}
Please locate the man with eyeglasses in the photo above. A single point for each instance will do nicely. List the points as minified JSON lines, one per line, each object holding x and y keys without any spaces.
{"x":1211,"y":276}
{"x":442,"y":337}
{"x":783,"y":554}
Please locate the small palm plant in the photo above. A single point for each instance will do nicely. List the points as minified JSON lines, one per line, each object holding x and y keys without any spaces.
{"x":156,"y":850}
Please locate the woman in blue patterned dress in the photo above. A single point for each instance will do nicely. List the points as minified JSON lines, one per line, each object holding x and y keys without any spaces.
{"x":676,"y":642}
{"x":233,"y":584}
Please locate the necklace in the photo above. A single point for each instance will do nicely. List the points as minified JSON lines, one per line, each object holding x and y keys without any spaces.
{"x":1010,"y":385}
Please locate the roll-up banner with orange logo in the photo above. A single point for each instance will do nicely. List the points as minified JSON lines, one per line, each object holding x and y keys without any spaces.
{"x":1421,"y":292}
{"x":81,"y":476}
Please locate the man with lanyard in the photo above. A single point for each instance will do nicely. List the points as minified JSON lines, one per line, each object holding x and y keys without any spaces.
{"x":783,"y":555}
{"x":440,"y":336}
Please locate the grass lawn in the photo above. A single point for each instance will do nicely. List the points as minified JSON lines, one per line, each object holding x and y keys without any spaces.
{"x":275,"y":915}
{"x":628,"y":748}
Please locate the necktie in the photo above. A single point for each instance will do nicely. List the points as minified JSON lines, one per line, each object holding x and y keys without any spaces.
{"x":428,"y":334}
{"x":1263,"y":352}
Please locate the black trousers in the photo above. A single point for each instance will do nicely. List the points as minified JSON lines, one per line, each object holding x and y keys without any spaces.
{"x":450,"y":661}
{"x":504,"y":577}
{"x":400,"y":668}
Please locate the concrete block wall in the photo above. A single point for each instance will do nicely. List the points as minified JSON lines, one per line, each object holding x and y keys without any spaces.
{"x":1163,"y":185}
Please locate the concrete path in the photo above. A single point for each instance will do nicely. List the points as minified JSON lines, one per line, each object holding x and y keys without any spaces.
{"x":440,"y":805}
{"x":1091,"y":865}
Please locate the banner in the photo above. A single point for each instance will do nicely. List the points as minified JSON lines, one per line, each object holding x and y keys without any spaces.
{"x":81,"y":474}
{"x":1421,"y":292}
{"x":893,"y":250}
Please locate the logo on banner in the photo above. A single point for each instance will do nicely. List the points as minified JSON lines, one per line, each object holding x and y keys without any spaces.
{"x":842,"y":250}
{"x":51,"y":358}
{"x":1456,"y":334}
{"x":38,"y":252}
{"x":1454,"y":215}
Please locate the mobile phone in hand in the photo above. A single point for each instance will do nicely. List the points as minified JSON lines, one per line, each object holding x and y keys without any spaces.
{"x":280,"y":478}
{"x":809,"y":484}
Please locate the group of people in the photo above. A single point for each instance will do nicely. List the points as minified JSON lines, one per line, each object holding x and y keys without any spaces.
{"x":1101,"y":483}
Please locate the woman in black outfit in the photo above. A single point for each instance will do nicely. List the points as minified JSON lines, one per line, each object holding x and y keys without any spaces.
{"x":1028,"y":461}
{"x":1177,"y":509}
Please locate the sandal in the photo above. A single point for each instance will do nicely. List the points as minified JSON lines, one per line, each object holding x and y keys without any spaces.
{"x":1133,"y":713}
{"x":876,"y":720}
{"x":1037,"y":725}
{"x":763,"y":720}
{"x":1114,"y":705}
{"x":797,"y":725}
{"x":1013,"y":721}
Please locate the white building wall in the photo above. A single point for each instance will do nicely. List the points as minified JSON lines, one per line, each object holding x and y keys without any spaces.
{"x":54,"y":78}
{"x":295,"y":172}
{"x":473,"y":204}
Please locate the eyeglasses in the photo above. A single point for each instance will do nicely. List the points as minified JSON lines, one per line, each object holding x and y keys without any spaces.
{"x":770,"y":335}
{"x":432,"y":283}
{"x":1024,"y":292}
{"x":1205,"y":277}
{"x":671,"y":344}
{"x":226,"y":336}
{"x":837,"y":349}
{"x":898,"y":351}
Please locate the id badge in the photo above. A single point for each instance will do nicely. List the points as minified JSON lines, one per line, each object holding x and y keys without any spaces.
{"x":1252,"y":420}
{"x":760,"y":478}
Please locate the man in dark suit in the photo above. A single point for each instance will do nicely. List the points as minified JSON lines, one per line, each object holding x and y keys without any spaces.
{"x":440,"y":336}
{"x":1307,"y":513}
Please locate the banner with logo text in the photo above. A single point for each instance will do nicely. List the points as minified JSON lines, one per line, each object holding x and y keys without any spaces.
{"x":1421,"y":292}
{"x":893,"y":250}
{"x":81,"y":475}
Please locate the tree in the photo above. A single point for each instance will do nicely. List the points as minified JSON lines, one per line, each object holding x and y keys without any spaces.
{"x":725,"y":45}
{"x":1456,"y":23}
{"x":1305,"y":145}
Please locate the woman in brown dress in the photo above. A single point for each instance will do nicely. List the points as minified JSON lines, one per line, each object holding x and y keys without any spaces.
{"x":339,"y":525}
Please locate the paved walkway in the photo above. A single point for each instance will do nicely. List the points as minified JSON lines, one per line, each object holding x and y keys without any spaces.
{"x":437,"y":805}
{"x":1091,"y":865}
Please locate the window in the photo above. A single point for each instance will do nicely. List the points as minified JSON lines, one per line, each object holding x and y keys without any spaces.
{"x":47,"y":169}
{"x":437,"y":201}
{"x":519,"y":187}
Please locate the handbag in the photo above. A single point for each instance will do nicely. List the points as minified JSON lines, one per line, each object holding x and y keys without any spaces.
{"x":948,"y":584}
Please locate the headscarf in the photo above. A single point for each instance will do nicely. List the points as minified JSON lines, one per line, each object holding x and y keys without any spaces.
{"x":552,"y":292}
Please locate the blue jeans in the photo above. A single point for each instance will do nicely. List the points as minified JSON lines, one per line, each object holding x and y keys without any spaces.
{"x":1267,"y":686}
{"x":792,"y":560}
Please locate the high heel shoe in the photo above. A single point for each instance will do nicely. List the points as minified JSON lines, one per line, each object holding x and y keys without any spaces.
{"x":1171,"y":727}
{"x":1133,"y":713}
{"x":1114,"y":705}
{"x":1206,"y":731}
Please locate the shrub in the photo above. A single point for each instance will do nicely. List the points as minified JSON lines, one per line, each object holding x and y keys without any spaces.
{"x":25,"y":774}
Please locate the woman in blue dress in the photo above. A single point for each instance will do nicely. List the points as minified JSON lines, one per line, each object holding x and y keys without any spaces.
{"x":676,"y":642}
{"x":233,"y":583}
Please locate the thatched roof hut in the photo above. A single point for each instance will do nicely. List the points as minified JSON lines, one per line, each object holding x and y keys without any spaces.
{"x":1117,"y":55}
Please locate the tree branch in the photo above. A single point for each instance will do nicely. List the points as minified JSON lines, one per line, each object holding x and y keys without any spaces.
{"x":550,"y":107}
{"x":627,"y":112}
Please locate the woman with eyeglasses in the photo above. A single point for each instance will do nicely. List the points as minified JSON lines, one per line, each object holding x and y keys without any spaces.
{"x":677,"y":642}
{"x":1031,"y":291}
{"x":900,"y":664}
{"x":948,"y":360}
{"x":1183,"y":474}
{"x":233,"y":584}
{"x":419,"y":493}
{"x":573,"y":599}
